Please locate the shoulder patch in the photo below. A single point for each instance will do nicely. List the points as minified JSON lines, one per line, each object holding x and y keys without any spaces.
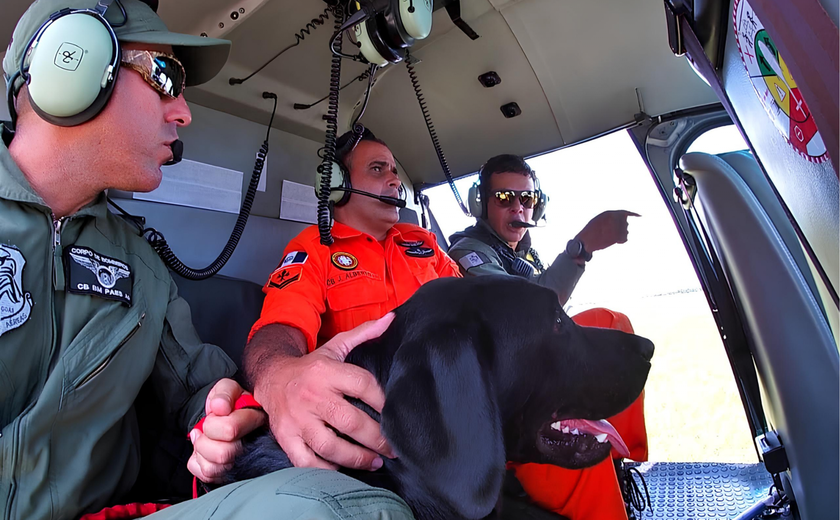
{"x":473,"y":259}
{"x":284,"y":277}
{"x":293,"y":258}
{"x":15,"y":303}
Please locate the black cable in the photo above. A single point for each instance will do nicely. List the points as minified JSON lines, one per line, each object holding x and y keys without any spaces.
{"x":372,"y":75}
{"x":431,"y":127}
{"x":299,"y":37}
{"x":634,"y":495}
{"x":159,"y":244}
{"x":358,"y":17}
{"x":361,"y":77}
{"x":10,"y":99}
{"x":124,"y":15}
{"x":330,"y":136}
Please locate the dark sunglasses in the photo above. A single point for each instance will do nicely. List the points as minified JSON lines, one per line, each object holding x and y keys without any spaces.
{"x":161,"y":70}
{"x":527,"y":198}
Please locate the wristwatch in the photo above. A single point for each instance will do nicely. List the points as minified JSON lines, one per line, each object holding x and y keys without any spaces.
{"x":576,"y":250}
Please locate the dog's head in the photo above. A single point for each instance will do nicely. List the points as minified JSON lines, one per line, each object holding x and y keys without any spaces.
{"x":555,"y":381}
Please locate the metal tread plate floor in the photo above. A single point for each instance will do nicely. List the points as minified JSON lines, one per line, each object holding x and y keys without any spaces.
{"x":702,"y":490}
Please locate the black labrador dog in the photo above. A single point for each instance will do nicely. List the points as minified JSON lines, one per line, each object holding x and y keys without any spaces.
{"x":476,"y":372}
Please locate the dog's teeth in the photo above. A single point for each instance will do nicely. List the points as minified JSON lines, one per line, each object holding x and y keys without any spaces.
{"x":575,"y":432}
{"x":602,"y":437}
{"x":555,"y":425}
{"x":565,"y":429}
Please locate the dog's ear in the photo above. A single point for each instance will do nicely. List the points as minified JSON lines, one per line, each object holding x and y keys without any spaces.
{"x":442,"y":419}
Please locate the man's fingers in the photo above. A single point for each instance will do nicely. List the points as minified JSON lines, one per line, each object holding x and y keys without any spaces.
{"x":302,"y":456}
{"x":234,"y":426}
{"x":222,"y":396}
{"x":206,"y":471}
{"x":359,"y":383}
{"x":216,"y":452}
{"x":630,"y":213}
{"x":326,"y":444}
{"x":341,"y":344}
{"x":353,"y":422}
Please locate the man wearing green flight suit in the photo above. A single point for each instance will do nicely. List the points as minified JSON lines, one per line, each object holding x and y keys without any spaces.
{"x":96,"y":346}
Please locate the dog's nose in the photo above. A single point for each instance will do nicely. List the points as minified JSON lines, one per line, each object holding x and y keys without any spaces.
{"x":646,"y":348}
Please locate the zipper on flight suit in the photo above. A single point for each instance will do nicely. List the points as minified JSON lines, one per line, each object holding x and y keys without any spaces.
{"x":56,"y":249}
{"x":108,"y":359}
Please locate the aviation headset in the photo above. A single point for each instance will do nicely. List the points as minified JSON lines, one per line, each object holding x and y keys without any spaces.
{"x":70,"y":65}
{"x":340,"y":186}
{"x":394,"y":26}
{"x":478,"y":198}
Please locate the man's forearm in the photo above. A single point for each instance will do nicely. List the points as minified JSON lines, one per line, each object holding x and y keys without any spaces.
{"x":561,"y":277}
{"x":269,"y":347}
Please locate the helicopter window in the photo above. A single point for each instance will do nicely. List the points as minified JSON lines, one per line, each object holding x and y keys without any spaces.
{"x":693,"y":410}
{"x":718,"y":140}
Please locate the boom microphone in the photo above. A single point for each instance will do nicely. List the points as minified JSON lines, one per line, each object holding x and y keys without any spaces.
{"x":177,"y":152}
{"x":393,"y":201}
{"x":521,"y":224}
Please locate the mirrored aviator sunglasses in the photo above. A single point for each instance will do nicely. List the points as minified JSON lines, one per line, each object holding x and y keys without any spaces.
{"x":161,"y":70}
{"x":527,"y":198}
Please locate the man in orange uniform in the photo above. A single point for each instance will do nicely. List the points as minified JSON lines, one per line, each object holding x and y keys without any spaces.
{"x":317,"y":291}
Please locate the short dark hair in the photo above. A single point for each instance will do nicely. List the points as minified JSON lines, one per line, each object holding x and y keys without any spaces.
{"x":504,"y":163}
{"x":346,"y":144}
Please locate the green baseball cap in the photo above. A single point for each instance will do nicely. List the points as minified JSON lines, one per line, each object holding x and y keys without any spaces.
{"x":202,"y":57}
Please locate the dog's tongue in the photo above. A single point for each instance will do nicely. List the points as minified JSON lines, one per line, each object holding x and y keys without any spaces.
{"x":598,"y":427}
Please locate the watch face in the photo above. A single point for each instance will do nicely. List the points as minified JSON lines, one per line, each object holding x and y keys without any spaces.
{"x":574,"y":248}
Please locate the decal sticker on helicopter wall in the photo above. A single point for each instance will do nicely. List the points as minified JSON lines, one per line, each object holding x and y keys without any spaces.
{"x":774,"y":84}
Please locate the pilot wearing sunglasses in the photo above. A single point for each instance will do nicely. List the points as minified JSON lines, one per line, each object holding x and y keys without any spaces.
{"x":506,"y":196}
{"x":102,"y":375}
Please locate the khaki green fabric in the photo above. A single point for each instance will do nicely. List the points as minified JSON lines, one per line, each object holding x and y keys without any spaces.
{"x":294,"y":493}
{"x":202,"y":58}
{"x":72,"y":365}
{"x":561,"y":276}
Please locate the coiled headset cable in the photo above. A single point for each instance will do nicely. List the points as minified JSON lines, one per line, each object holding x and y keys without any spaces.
{"x":331,"y":134}
{"x":159,"y":244}
{"x":299,"y":37}
{"x":415,"y":83}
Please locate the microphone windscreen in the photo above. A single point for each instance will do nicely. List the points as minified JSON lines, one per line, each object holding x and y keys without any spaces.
{"x":177,"y":152}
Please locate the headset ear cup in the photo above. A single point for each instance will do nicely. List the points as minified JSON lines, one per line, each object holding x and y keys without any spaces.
{"x":338,"y":179}
{"x":366,"y":46}
{"x":377,"y":29}
{"x":474,"y":201}
{"x":539,"y":208}
{"x":412,"y":19}
{"x":72,"y":68}
{"x":341,"y":197}
{"x":394,"y":32}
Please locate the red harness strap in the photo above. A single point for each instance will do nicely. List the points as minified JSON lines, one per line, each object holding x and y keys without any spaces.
{"x":244,"y":401}
{"x":137,"y":510}
{"x":126,"y":512}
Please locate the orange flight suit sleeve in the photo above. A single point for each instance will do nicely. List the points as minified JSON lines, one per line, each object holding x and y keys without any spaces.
{"x":295,"y":294}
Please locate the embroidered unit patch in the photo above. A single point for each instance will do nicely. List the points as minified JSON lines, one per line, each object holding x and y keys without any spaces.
{"x":15,"y":303}
{"x":90,"y":273}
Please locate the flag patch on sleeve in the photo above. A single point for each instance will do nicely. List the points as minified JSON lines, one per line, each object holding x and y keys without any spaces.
{"x":473,"y":259}
{"x":294,"y":258}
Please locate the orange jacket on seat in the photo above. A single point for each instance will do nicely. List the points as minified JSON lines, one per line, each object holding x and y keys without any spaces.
{"x":591,"y":493}
{"x":324,"y":290}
